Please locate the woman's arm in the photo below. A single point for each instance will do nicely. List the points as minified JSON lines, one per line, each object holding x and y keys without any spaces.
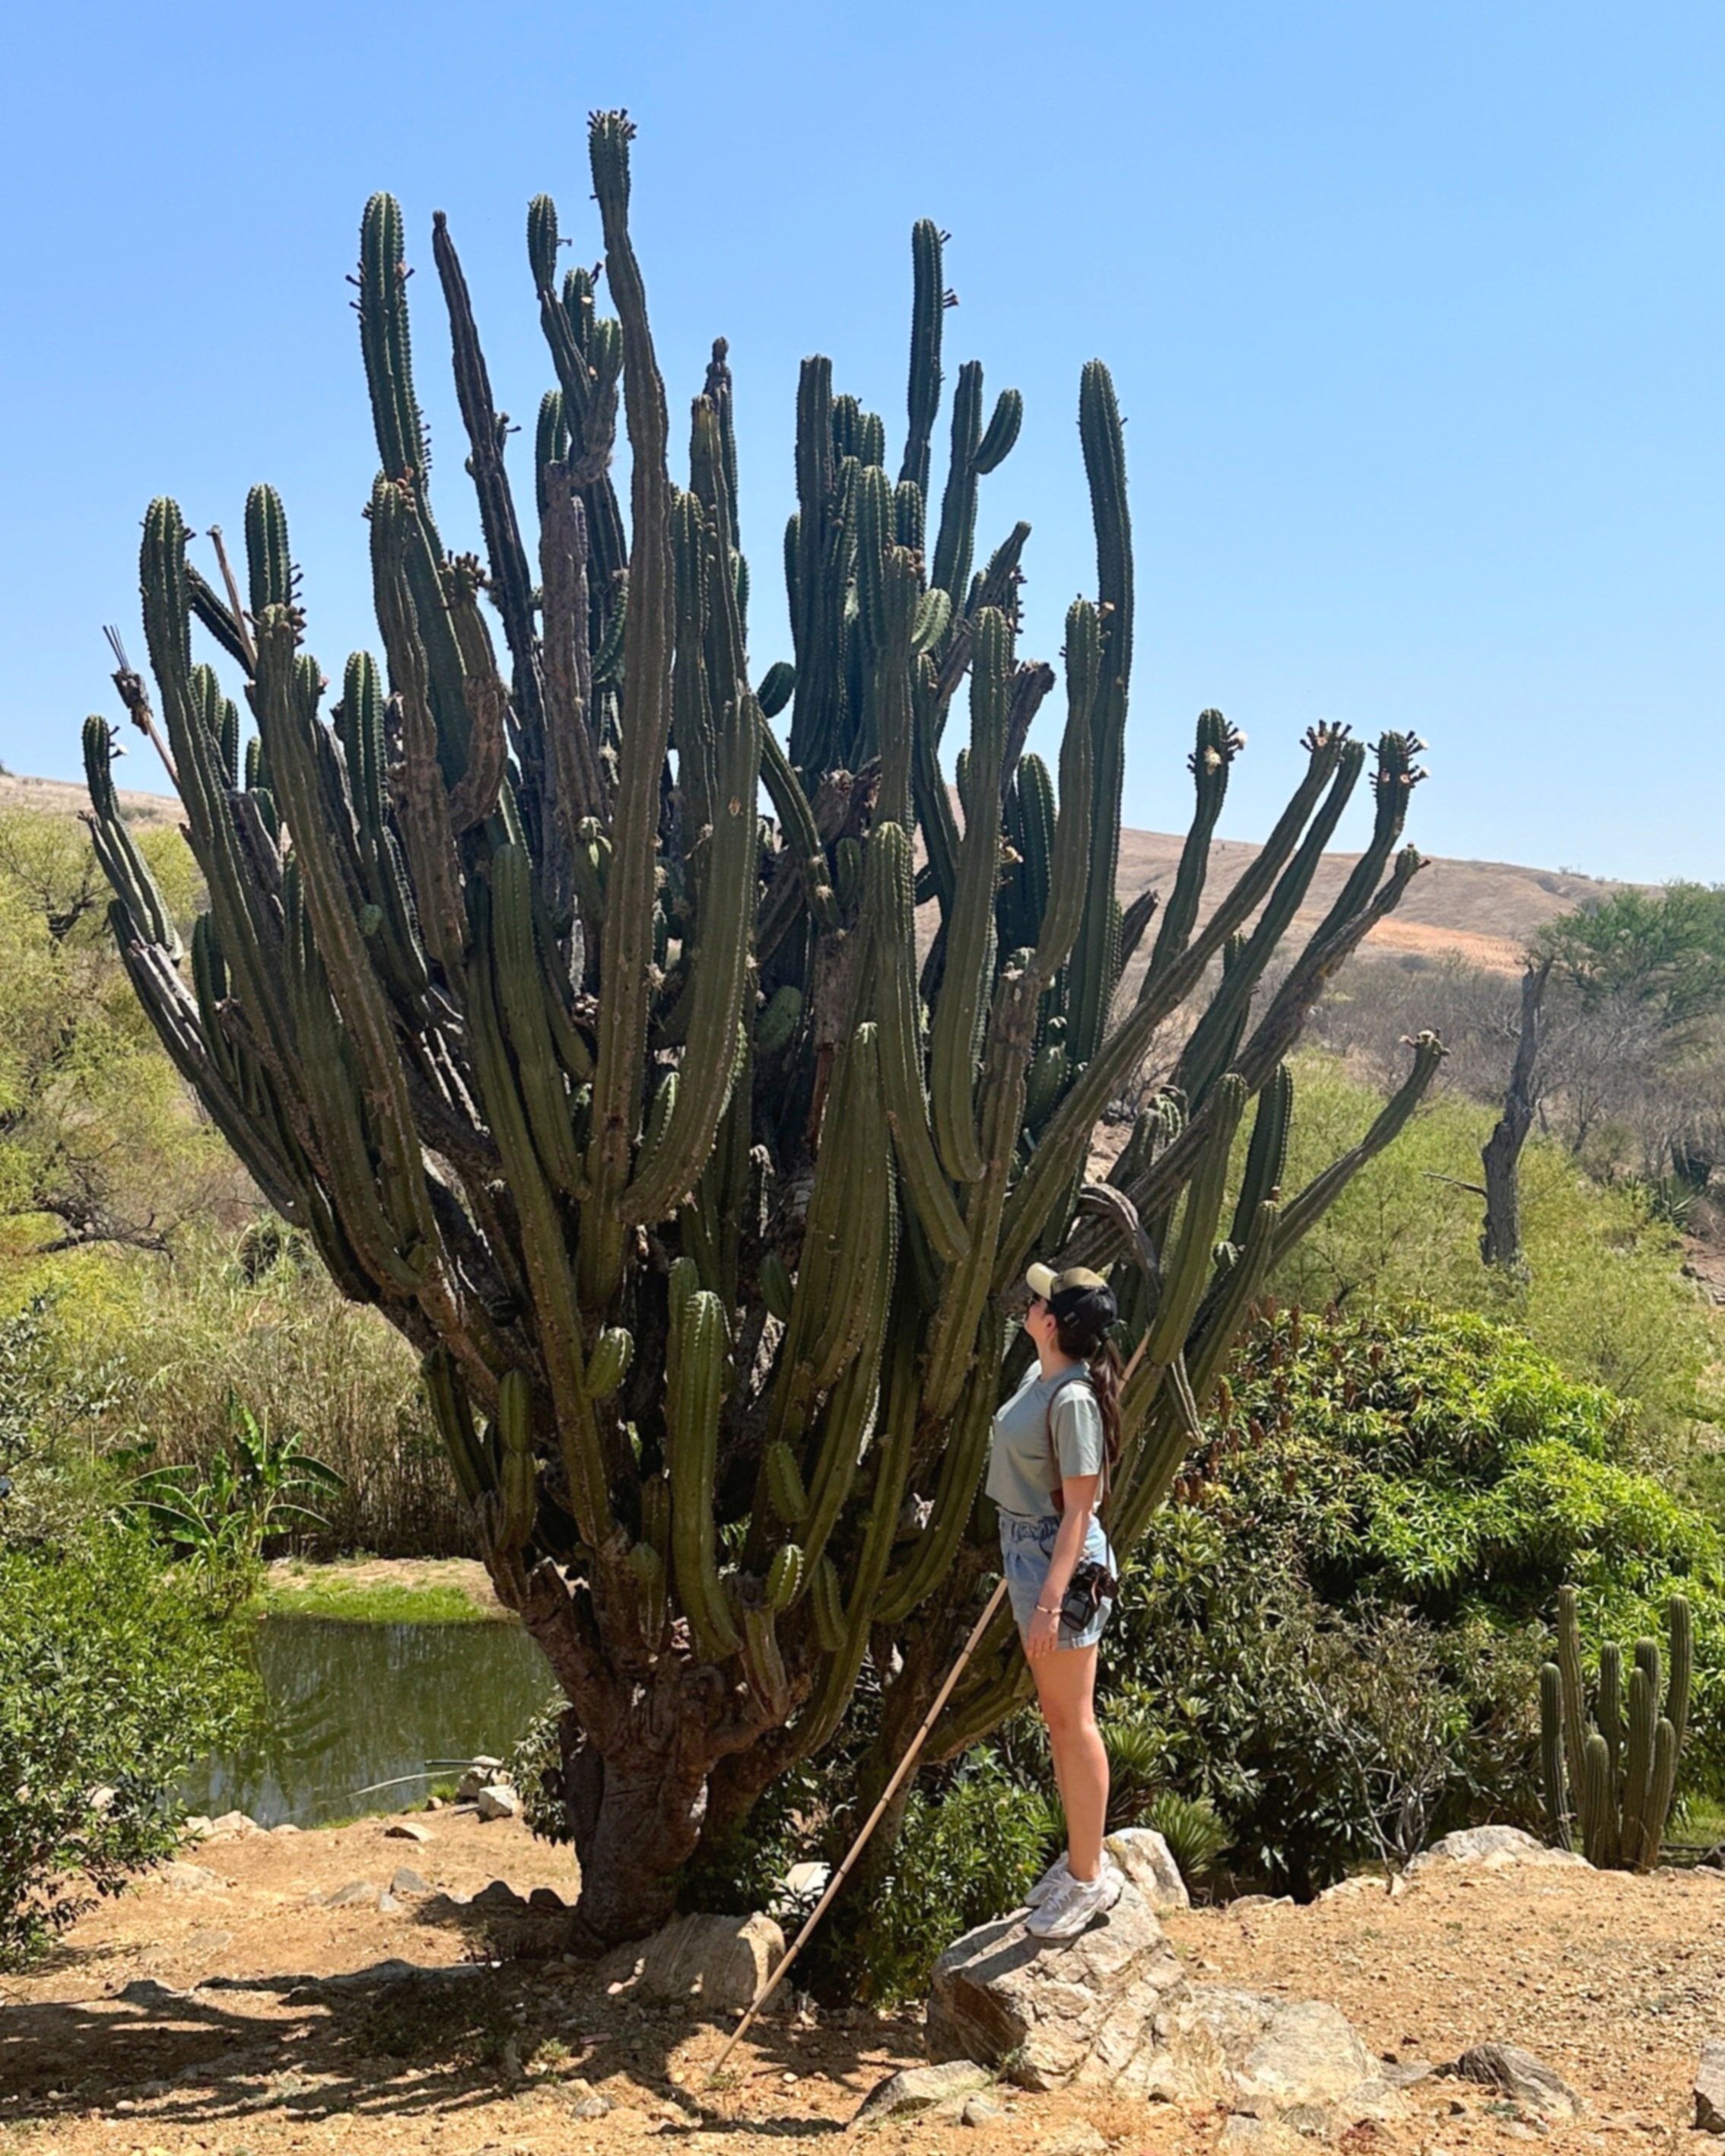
{"x":1079,"y":1494}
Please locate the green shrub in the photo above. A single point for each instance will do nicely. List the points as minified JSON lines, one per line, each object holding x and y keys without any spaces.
{"x":1333,"y":1633}
{"x":114,"y":1679}
{"x":973,"y":1842}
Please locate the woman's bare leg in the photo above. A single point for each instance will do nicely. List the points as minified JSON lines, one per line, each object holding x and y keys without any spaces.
{"x":1065,"y":1690}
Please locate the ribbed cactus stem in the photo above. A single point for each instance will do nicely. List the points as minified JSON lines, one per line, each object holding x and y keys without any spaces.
{"x":1551,"y":1755}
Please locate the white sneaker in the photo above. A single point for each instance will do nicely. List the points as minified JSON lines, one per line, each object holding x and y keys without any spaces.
{"x":1058,"y":1872}
{"x":1074,"y":1903}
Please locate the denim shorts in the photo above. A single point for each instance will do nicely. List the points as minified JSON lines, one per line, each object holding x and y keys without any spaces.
{"x":1027,"y":1548}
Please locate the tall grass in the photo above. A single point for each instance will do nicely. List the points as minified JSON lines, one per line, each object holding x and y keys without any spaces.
{"x":169,"y":1342}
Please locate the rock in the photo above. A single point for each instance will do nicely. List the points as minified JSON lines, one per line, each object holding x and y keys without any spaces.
{"x":286,"y":1826}
{"x":717,"y":1962}
{"x":1406,"y":2073}
{"x":1242,"y":1905}
{"x":1079,"y":2140}
{"x":592,"y":2105}
{"x":920,"y":2088}
{"x":145,"y":1991}
{"x":182,"y":1878}
{"x":1709,"y":2089}
{"x":213,"y":1941}
{"x":387,"y":1905}
{"x":1492,"y":1848}
{"x":1519,"y":2075}
{"x":407,"y":1880}
{"x":1145,"y":1858}
{"x":1245,"y":2135}
{"x":351,"y":1896}
{"x":498,"y":1898}
{"x":1113,"y":2008}
{"x":480,"y":1775}
{"x":231,"y":1825}
{"x":1085,"y":2009}
{"x":498,"y":1800}
{"x":1276,"y":2058}
{"x":196,"y":1826}
{"x":981,"y":2109}
{"x":407,"y":1830}
{"x":803,"y":1885}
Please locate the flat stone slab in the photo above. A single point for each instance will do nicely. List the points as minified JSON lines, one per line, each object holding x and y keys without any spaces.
{"x":920,"y":2088}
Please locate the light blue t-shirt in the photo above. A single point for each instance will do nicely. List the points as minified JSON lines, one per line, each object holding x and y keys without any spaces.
{"x":1021,"y":1474}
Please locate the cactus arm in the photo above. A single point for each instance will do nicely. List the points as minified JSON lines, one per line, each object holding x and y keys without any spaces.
{"x":721,"y":977}
{"x":128,"y":873}
{"x":962,"y":1462}
{"x":964,"y":983}
{"x":927,"y":312}
{"x":891,"y":913}
{"x":1211,"y":762}
{"x":627,"y":939}
{"x":511,"y":584}
{"x":934,"y":806}
{"x":957,"y":538}
{"x":1304,"y":1211}
{"x":1662,"y":1788}
{"x":1065,"y":1142}
{"x":1267,"y":1156}
{"x":1638,"y":1767}
{"x":543,"y":1244}
{"x":1069,"y":865}
{"x":474,"y":796}
{"x":1682,"y":1641}
{"x":425,"y":835}
{"x":1091,"y":986}
{"x":1597,"y":1804}
{"x":519,"y":977}
{"x":698,"y":1347}
{"x":566,"y":659}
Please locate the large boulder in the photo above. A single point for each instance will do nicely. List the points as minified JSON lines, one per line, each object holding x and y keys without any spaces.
{"x":1050,"y":2011}
{"x":1113,"y":2008}
{"x":716,"y":1964}
{"x":1491,"y":1848}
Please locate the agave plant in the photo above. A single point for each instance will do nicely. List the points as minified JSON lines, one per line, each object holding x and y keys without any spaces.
{"x":702,"y":1182}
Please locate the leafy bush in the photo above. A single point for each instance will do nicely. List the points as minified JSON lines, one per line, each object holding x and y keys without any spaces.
{"x":113,"y":1679}
{"x":1334,"y":1632}
{"x":972,"y":1844}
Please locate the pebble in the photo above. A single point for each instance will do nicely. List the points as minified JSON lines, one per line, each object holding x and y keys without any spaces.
{"x":407,"y":1830}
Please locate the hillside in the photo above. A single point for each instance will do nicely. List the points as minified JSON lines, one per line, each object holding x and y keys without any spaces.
{"x":1484,"y":910}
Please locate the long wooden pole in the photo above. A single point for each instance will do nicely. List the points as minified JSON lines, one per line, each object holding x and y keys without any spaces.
{"x":904,"y":1767}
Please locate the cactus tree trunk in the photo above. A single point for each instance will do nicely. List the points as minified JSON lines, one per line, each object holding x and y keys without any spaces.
{"x":703,"y":1194}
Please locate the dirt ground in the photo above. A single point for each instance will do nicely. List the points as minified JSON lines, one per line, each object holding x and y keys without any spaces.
{"x":189,"y":2015}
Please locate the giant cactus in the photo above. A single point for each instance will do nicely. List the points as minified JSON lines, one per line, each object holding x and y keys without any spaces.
{"x":1614,"y":1779}
{"x":701,"y":1188}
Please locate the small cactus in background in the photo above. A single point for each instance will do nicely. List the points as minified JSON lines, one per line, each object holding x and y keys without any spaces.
{"x":701,"y":1185}
{"x":1613,"y":1779}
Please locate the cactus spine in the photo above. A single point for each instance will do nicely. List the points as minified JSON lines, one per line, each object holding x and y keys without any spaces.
{"x":1614,"y":1780}
{"x":699,"y":1170}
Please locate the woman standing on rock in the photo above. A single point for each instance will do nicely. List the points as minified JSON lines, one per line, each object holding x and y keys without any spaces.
{"x":1053,"y":1444}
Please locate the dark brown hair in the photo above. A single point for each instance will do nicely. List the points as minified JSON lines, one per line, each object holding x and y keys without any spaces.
{"x":1102,"y":1357}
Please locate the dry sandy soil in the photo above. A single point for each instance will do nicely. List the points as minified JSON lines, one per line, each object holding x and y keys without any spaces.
{"x":187,"y":2016}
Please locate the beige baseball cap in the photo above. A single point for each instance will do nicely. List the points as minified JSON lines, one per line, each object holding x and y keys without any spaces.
{"x":1075,"y":1282}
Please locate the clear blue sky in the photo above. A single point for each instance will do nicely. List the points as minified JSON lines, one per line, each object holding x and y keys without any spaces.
{"x":1416,"y":314}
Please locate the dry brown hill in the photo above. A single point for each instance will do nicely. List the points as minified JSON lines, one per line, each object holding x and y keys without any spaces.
{"x":1485,"y":911}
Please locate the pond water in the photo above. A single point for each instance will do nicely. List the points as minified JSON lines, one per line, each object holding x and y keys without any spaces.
{"x":349,"y":1706}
